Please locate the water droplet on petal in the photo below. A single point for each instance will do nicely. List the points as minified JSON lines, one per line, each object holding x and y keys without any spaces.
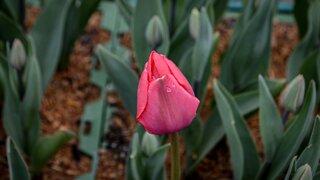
{"x":168,"y":89}
{"x":173,"y":85}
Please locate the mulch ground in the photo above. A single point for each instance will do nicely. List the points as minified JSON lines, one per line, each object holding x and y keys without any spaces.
{"x":70,"y":90}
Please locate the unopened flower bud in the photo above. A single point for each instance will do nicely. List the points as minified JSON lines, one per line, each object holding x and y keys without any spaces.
{"x":17,"y":55}
{"x":154,"y":32}
{"x":303,"y":172}
{"x":194,"y":23}
{"x":293,"y":95}
{"x":149,"y":144}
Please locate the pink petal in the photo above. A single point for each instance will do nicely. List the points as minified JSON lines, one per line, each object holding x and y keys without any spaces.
{"x":157,"y":65}
{"x":142,"y":92}
{"x":169,"y":108}
{"x":180,"y":77}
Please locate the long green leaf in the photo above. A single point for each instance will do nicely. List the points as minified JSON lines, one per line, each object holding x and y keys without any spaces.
{"x":213,"y":131}
{"x":15,"y":9}
{"x":46,"y":147}
{"x":48,"y":34}
{"x":244,"y":61}
{"x":18,"y":169}
{"x":292,"y":168}
{"x":76,"y":20}
{"x":308,"y":43}
{"x":126,"y":82}
{"x":32,"y":101}
{"x":244,"y":157}
{"x":12,"y":116}
{"x":145,"y":10}
{"x":271,"y":126}
{"x":301,"y":16}
{"x":155,"y":164}
{"x":12,"y":30}
{"x":311,"y":153}
{"x":294,"y":135}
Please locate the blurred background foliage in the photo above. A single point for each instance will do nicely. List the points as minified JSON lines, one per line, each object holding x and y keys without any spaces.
{"x":184,"y":31}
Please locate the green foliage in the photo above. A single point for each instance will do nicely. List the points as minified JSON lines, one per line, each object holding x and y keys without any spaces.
{"x":208,"y":134}
{"x":308,"y":44}
{"x":144,"y":11}
{"x":126,"y":82}
{"x":15,"y":9}
{"x":301,"y":15}
{"x":46,"y":147}
{"x":143,"y":166}
{"x":77,"y":17}
{"x":112,"y":19}
{"x":271,"y":126}
{"x":48,"y":37}
{"x":244,"y":157}
{"x":12,"y":30}
{"x":18,"y":169}
{"x":197,"y":65}
{"x":293,"y":135}
{"x":244,"y":61}
{"x":311,"y":153}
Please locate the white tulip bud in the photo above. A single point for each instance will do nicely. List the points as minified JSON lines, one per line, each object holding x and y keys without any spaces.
{"x":17,"y":55}
{"x":149,"y":144}
{"x":194,"y":23}
{"x":293,"y":95}
{"x":154,"y":32}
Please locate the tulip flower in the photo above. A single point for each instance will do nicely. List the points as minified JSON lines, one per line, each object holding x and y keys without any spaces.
{"x":166,"y":101}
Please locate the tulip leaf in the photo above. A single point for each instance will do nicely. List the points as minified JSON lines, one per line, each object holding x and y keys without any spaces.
{"x":126,"y":10}
{"x":12,"y":116}
{"x":155,"y":164}
{"x":193,"y":134}
{"x":308,"y":44}
{"x":213,"y":130}
{"x":135,"y":162}
{"x":112,"y":19}
{"x":48,"y":37}
{"x":244,"y":157}
{"x":292,"y":168}
{"x":32,"y":100}
{"x":18,"y":169}
{"x":301,"y":16}
{"x":294,"y":135}
{"x":12,"y":30}
{"x":309,"y":67}
{"x":271,"y":127}
{"x":303,"y":173}
{"x":201,"y":55}
{"x":145,"y":10}
{"x":126,"y":82}
{"x":181,"y":41}
{"x":46,"y":147}
{"x":15,"y":9}
{"x":244,"y":61}
{"x":311,"y":153}
{"x":77,"y":17}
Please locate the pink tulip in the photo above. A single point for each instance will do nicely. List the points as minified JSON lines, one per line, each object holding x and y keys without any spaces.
{"x":166,"y":102}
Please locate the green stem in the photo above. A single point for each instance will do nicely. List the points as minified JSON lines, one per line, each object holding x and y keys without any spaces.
{"x":175,"y":158}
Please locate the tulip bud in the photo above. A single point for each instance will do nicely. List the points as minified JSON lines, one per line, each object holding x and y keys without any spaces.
{"x":166,"y":101}
{"x":303,"y":172}
{"x":194,"y":23}
{"x":154,"y":32}
{"x":293,"y":95}
{"x":149,"y":144}
{"x":17,"y":55}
